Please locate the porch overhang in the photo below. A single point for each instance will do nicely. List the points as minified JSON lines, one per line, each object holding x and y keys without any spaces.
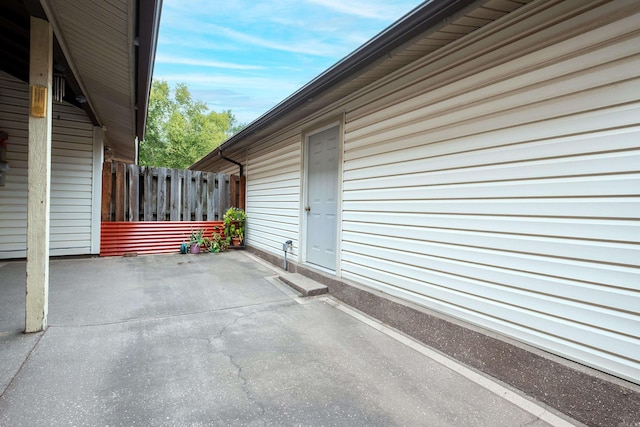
{"x":106,"y":52}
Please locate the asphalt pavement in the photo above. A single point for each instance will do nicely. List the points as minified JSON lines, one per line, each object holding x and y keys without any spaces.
{"x":217,"y":339}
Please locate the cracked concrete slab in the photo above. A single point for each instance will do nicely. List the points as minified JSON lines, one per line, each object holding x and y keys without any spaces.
{"x":14,"y":349}
{"x":210,"y":340}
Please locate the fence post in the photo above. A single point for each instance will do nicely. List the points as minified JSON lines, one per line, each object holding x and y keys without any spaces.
{"x":148,"y":178}
{"x":224,"y":184}
{"x":242,"y":191}
{"x":162,"y":194}
{"x":106,"y":192}
{"x":212,"y":195}
{"x":198,"y":186}
{"x":186,"y":196}
{"x":233,"y":191}
{"x":120,"y":195}
{"x":174,"y":214}
{"x":218,"y":195}
{"x":134,"y":192}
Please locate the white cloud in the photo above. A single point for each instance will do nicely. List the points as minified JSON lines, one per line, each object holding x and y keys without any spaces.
{"x":221,"y":38}
{"x":166,"y":59}
{"x":307,"y":47}
{"x":365,"y":9}
{"x":219,"y":80}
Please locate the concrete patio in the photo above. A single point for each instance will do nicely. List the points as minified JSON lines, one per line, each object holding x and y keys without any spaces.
{"x":218,"y":340}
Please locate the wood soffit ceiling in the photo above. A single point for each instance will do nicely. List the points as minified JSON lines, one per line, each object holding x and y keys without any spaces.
{"x":95,"y":46}
{"x":14,"y":46}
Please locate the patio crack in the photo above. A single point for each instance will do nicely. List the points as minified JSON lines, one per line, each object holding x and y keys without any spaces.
{"x":264,"y":308}
{"x":238,"y":367}
{"x":24,"y":362}
{"x":231,"y":324}
{"x":245,"y":385}
{"x":276,"y":303}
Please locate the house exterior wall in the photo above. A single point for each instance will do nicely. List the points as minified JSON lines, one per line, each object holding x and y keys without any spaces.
{"x":273,"y":193}
{"x":497,"y":182}
{"x":229,"y":168}
{"x":505,"y":191}
{"x":72,"y":176}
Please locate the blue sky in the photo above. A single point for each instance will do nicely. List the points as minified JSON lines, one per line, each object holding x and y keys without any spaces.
{"x":246,"y":56}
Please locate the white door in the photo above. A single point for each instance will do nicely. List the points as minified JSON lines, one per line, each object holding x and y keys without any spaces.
{"x":322,"y":197}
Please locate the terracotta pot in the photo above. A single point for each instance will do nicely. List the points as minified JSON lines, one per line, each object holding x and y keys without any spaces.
{"x":194,"y":248}
{"x":227,"y":228}
{"x":235,"y":241}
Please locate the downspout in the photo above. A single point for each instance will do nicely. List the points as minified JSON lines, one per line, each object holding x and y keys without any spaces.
{"x":231,"y":161}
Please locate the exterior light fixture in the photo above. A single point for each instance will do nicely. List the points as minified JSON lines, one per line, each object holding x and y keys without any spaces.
{"x":59,"y":85}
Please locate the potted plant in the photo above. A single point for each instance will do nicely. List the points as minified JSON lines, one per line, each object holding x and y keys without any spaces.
{"x":207,"y":244}
{"x":216,"y":243}
{"x":237,"y":236}
{"x":234,"y":224}
{"x":196,"y":240}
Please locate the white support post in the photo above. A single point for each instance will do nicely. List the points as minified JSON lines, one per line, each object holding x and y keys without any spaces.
{"x":39,"y":175}
{"x":96,"y":188}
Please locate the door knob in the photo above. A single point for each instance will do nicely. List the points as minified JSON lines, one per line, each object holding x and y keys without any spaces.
{"x":307,"y":208}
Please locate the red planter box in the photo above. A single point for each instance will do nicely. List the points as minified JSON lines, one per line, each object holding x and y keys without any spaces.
{"x":162,"y":237}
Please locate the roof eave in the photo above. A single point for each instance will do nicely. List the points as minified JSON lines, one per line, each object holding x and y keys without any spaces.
{"x":149,"y":12}
{"x":421,"y":19}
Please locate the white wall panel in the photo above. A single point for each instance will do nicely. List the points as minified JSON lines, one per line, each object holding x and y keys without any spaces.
{"x":273,"y":194}
{"x":71,"y":175}
{"x":506,"y":190}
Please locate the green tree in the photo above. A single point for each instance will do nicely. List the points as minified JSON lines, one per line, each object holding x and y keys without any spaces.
{"x":181,"y":130}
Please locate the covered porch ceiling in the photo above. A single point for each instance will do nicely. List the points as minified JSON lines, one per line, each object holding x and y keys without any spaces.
{"x":104,"y":48}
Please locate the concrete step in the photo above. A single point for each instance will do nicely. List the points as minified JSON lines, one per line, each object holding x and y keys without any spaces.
{"x":304,"y":285}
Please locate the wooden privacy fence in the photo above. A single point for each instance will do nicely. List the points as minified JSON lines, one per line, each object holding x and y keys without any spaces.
{"x":139,"y":193}
{"x":148,"y":210}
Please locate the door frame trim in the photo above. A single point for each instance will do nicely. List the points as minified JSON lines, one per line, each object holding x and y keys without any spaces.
{"x":306,"y":134}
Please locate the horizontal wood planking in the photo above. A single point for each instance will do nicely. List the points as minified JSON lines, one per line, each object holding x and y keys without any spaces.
{"x":71,"y":175}
{"x":120,"y":238}
{"x":505,"y":191}
{"x":94,"y":40}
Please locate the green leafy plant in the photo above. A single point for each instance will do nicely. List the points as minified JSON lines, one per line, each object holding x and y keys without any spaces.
{"x":234,"y":214}
{"x":239,"y":234}
{"x":197,"y":236}
{"x":216,"y":243}
{"x":234,"y":223}
{"x":208,"y":244}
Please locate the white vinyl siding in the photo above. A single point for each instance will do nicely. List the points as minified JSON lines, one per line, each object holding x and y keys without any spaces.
{"x":71,"y":175}
{"x":273,"y":194}
{"x":13,"y":202}
{"x":505,"y":191}
{"x":71,"y":181}
{"x":229,"y":168}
